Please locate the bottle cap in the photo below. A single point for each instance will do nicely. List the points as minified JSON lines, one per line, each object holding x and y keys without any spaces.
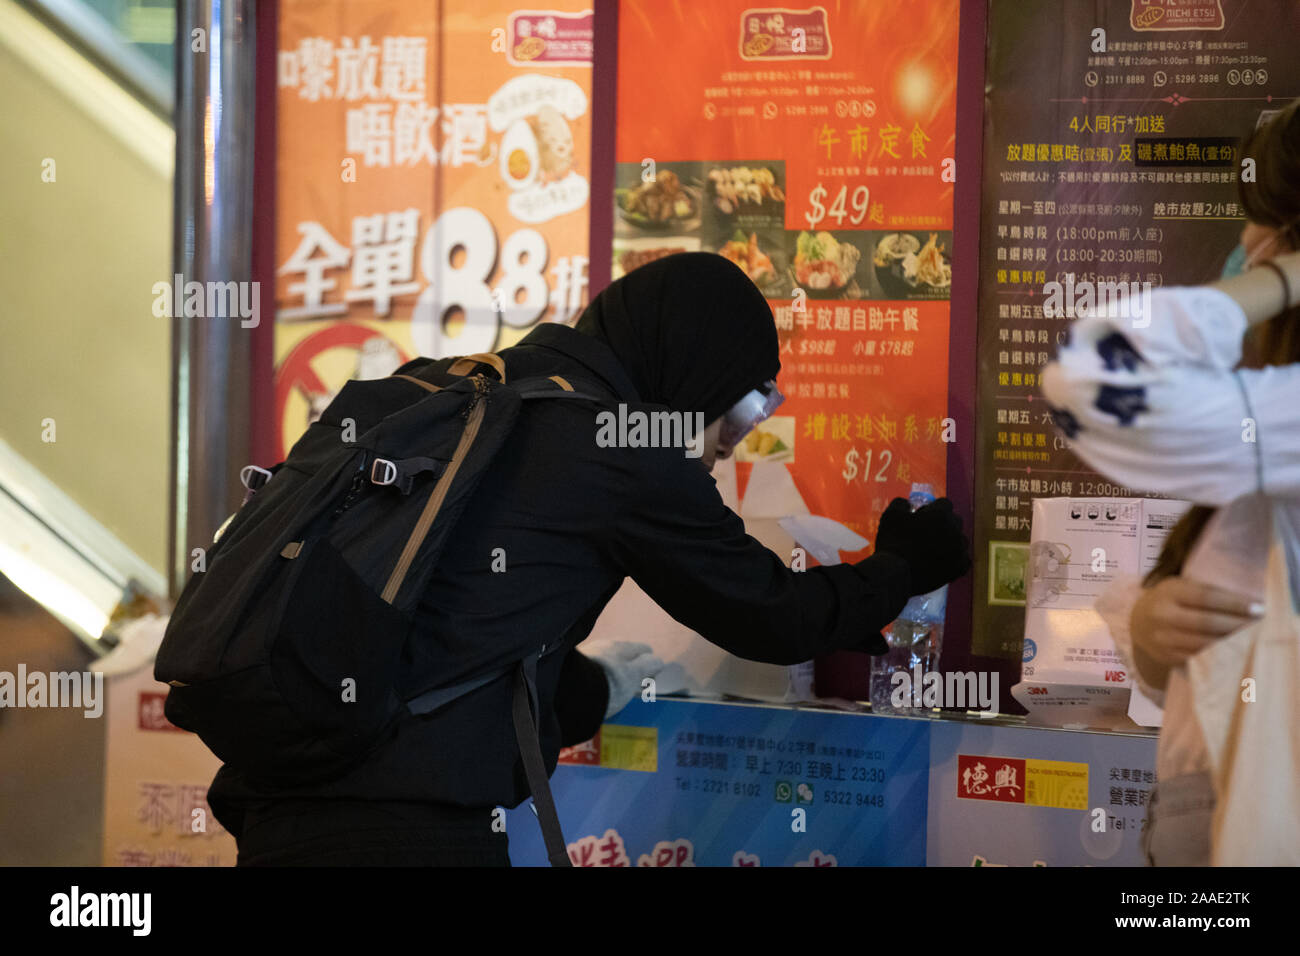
{"x":922,"y":492}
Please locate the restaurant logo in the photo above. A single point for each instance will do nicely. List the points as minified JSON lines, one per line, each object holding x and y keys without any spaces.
{"x":777,"y":33}
{"x":150,"y":713}
{"x":1176,"y":15}
{"x":1040,"y":783}
{"x":991,"y":778}
{"x":586,"y":754}
{"x":616,"y":747}
{"x":550,"y":37}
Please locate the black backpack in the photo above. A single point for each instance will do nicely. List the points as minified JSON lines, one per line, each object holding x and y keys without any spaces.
{"x":283,"y":655}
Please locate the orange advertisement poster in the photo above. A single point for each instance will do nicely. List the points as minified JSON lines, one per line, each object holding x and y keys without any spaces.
{"x":813,"y":146}
{"x":432,"y":185}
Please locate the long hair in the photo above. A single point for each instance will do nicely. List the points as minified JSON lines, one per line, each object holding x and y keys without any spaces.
{"x":1272,"y":200}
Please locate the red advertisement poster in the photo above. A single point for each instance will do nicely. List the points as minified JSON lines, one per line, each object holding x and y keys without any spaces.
{"x":432,"y":184}
{"x":813,"y":147}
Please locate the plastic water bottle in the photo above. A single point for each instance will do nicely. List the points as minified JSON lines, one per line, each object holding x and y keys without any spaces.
{"x":914,"y":640}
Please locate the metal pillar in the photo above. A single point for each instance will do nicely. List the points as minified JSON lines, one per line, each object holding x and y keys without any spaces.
{"x":214,"y":120}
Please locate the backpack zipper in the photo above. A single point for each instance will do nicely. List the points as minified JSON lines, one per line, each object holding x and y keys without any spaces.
{"x":474,"y":418}
{"x":358,"y":482}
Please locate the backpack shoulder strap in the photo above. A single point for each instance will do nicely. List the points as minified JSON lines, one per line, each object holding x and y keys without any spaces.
{"x":530,"y":750}
{"x":524,"y":709}
{"x":557,"y":386}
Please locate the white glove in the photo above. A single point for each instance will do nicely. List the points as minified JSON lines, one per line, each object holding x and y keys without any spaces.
{"x":138,"y":643}
{"x":626,"y":665}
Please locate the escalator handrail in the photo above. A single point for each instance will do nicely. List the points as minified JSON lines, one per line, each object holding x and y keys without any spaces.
{"x":96,"y":37}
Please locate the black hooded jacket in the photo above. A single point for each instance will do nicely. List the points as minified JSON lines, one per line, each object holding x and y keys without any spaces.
{"x":574,"y":519}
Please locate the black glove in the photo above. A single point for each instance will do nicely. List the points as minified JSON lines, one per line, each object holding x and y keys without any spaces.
{"x":928,"y":539}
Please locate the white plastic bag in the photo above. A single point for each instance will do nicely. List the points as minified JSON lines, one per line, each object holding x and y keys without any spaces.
{"x":1254,"y":745}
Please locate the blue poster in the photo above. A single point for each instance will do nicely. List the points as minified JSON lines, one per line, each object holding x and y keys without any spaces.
{"x":701,"y":783}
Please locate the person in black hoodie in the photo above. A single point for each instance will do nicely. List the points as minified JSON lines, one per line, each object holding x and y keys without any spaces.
{"x":689,"y":333}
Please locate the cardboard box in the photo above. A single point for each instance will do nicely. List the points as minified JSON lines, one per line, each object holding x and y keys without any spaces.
{"x":1072,"y":675}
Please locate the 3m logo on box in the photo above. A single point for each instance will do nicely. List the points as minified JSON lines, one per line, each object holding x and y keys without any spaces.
{"x":1037,"y":783}
{"x":617,"y":747}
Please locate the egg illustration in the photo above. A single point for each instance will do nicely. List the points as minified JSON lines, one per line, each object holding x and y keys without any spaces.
{"x":519,"y":155}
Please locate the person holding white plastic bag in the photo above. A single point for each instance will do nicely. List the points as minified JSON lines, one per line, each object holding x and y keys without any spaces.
{"x":1200,"y":399}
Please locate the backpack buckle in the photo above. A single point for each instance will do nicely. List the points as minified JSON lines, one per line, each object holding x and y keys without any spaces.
{"x":253,"y":477}
{"x":387,"y":476}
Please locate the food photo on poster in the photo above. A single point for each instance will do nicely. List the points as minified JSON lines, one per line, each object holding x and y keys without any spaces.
{"x":649,"y":433}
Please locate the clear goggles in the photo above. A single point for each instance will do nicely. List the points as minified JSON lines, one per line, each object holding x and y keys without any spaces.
{"x":756,"y":406}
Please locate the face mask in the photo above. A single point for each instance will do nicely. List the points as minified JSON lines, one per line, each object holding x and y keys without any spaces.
{"x":1241,"y":260}
{"x":1236,"y":263}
